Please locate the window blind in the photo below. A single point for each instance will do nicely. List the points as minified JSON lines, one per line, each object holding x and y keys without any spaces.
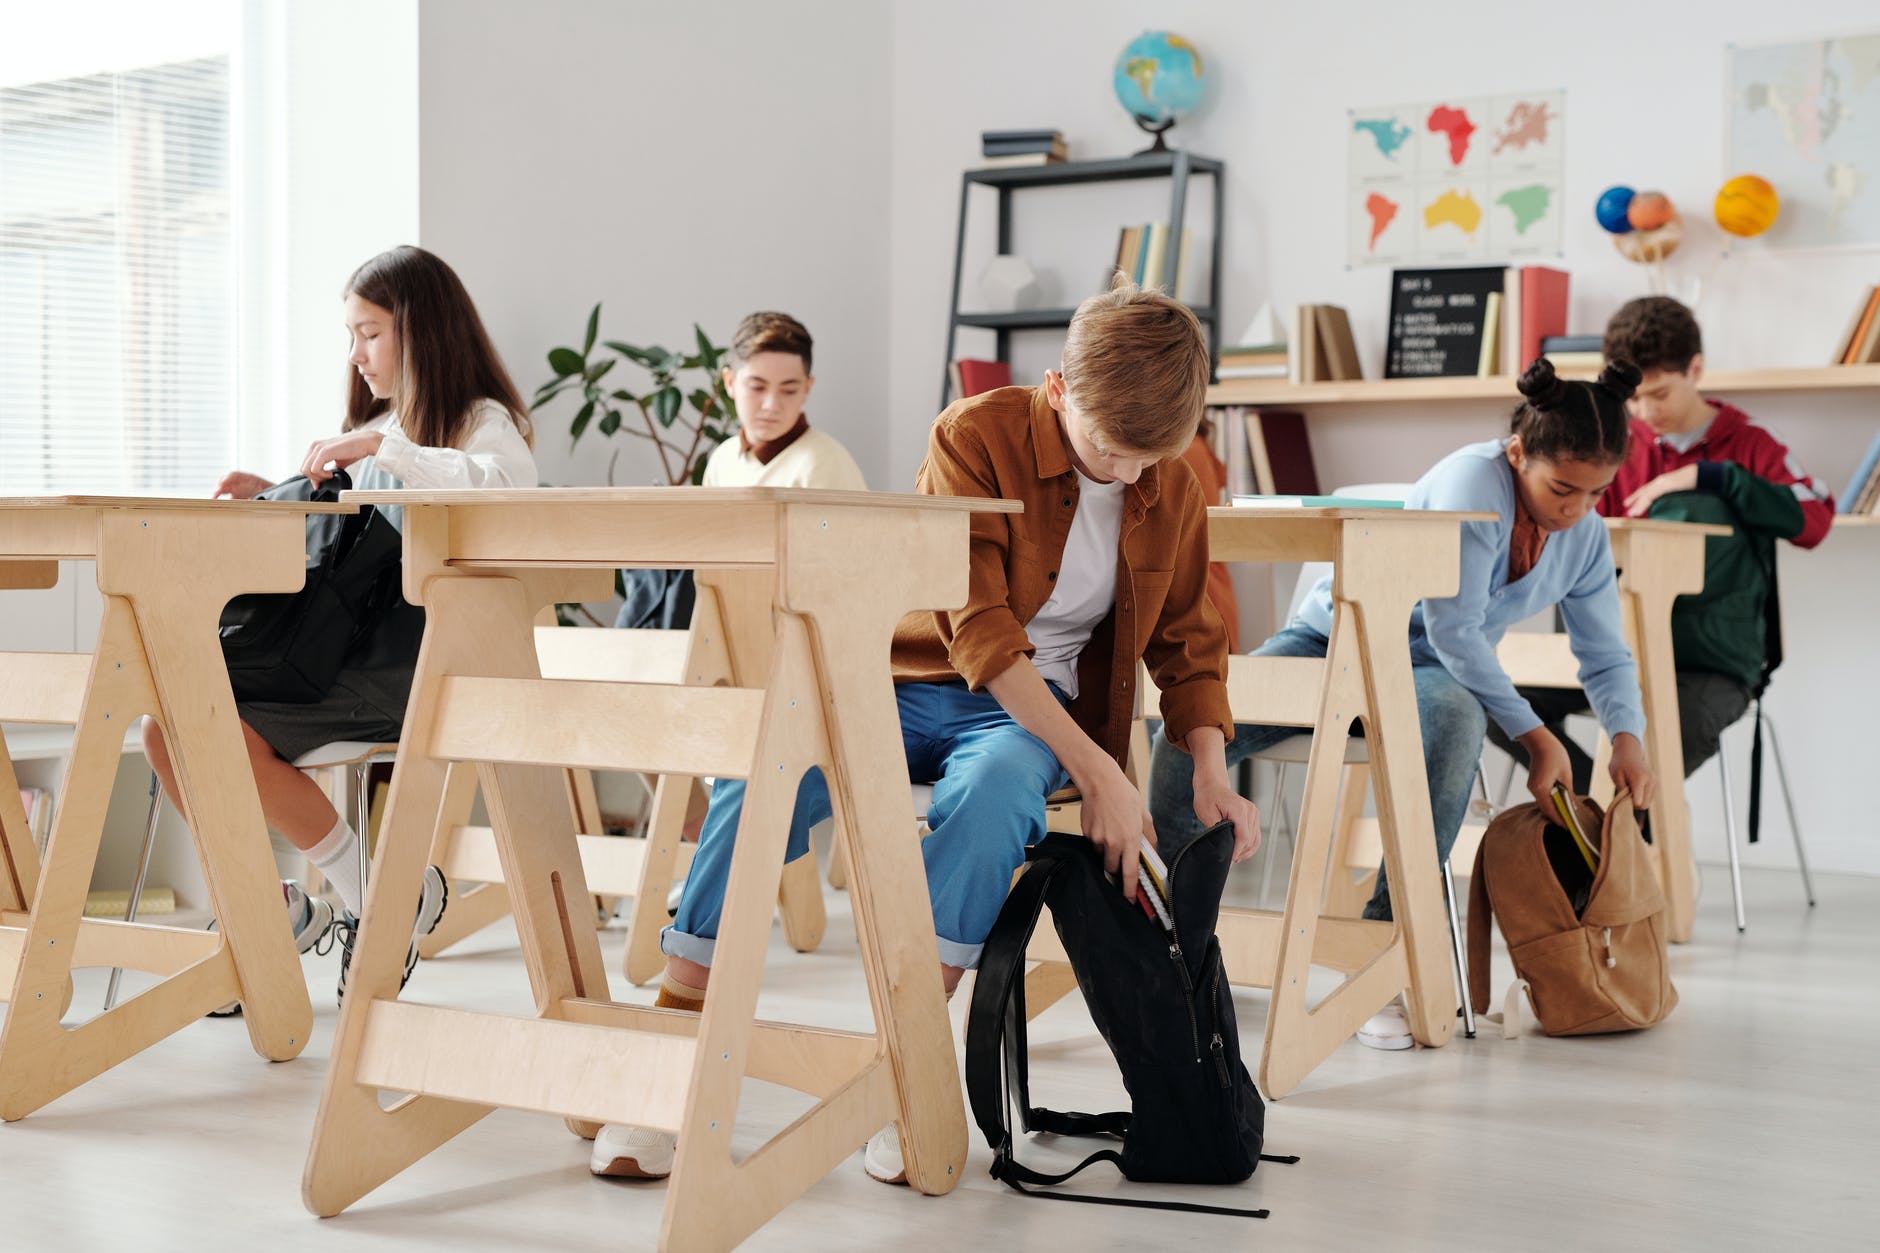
{"x":116,"y":282}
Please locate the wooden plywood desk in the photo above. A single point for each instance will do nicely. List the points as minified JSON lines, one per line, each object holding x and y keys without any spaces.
{"x":166,"y":568}
{"x":837,"y":571}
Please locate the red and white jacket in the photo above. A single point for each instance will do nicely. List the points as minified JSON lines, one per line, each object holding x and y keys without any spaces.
{"x":1732,"y":439}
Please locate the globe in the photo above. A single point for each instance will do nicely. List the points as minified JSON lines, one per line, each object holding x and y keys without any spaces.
{"x":1158,"y":79}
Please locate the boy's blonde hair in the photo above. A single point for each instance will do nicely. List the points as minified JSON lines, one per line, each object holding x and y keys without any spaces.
{"x":1136,"y":365}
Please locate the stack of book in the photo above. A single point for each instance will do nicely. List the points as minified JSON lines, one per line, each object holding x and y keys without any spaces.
{"x":1021,"y":147}
{"x":1575,"y":352}
{"x":1860,"y":343}
{"x":971,"y":377}
{"x":1863,"y":490}
{"x":1253,"y":361}
{"x":1322,"y":348}
{"x":36,"y":804}
{"x":1142,"y":254}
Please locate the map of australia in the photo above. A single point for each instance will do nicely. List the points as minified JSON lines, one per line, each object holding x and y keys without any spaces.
{"x":1456,"y":207}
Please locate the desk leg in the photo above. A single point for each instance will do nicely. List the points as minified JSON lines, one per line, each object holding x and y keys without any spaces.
{"x":1664,"y":750}
{"x":474,"y":626}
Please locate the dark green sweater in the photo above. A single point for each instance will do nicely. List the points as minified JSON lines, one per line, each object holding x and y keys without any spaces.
{"x":1724,"y":628}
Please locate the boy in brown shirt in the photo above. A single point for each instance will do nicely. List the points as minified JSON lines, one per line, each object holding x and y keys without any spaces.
{"x":1031,"y":685}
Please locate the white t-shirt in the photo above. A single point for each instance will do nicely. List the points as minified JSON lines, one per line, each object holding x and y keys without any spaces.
{"x":494,"y":454}
{"x":1086,"y":583}
{"x":813,"y":459}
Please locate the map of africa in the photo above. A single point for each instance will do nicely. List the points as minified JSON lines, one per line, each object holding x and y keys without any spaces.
{"x":1806,"y":116}
{"x":1456,"y":125}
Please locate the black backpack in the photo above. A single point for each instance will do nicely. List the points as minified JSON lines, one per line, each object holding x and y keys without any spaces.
{"x":1162,"y":1004}
{"x":290,"y":646}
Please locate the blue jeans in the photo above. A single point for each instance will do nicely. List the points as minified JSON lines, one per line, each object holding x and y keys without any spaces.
{"x":1453,"y":724}
{"x":990,"y":777}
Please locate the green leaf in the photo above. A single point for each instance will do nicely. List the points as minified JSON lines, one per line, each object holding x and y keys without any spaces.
{"x":580,"y":422}
{"x":565,"y":361}
{"x":610,"y":422}
{"x":701,"y":400}
{"x":594,"y":326}
{"x":698,"y":472}
{"x":546,"y":393}
{"x":666,"y":404}
{"x":623,"y":394}
{"x":632,"y":352}
{"x":599,"y":368}
{"x":708,"y":355}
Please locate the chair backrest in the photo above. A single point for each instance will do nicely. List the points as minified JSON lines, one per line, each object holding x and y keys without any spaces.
{"x":614,"y":656}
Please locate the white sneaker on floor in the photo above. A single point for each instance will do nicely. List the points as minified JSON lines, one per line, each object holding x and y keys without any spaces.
{"x":1388,"y":1028}
{"x":624,"y":1152}
{"x":882,"y":1158}
{"x":673,"y":897}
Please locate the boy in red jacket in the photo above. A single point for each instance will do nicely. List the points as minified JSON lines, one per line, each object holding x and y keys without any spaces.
{"x":1701,"y":460}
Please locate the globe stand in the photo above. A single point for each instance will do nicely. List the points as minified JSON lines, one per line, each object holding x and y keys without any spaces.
{"x":1153,"y":129}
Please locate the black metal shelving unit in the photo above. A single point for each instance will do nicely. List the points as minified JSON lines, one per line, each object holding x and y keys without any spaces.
{"x":1176,"y":166}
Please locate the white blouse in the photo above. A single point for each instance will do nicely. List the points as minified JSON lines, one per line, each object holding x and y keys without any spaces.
{"x":494,"y":454}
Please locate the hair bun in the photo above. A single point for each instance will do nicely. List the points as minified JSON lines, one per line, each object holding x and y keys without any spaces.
{"x":1543,"y":388}
{"x":1620,"y":377}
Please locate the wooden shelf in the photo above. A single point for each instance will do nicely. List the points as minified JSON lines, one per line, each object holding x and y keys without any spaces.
{"x":1278,"y":393}
{"x":1043,"y":319}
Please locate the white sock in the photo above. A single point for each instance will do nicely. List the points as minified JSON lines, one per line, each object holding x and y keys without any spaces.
{"x":337,"y":856}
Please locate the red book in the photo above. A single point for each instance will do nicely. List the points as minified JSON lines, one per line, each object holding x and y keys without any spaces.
{"x":973,"y":377}
{"x":1286,"y":451}
{"x":1543,"y":309}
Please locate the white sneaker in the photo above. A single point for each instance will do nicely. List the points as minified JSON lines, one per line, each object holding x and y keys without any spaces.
{"x":1388,"y":1028}
{"x":882,"y":1158}
{"x":674,"y":896}
{"x":624,"y":1152}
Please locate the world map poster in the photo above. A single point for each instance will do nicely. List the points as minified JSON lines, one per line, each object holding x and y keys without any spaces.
{"x":1469,"y":179}
{"x":1806,"y":116}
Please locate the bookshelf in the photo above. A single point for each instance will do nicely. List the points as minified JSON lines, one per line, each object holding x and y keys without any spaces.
{"x":1177,"y":166}
{"x":1329,"y":397}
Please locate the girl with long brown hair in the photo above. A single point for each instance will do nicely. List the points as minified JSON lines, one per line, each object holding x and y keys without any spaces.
{"x":428,"y":405}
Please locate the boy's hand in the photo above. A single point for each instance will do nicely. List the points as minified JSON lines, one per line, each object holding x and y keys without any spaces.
{"x":1117,"y":821}
{"x":1629,"y":771}
{"x":1548,"y":764}
{"x":1216,"y":800}
{"x":1639,"y":503}
{"x":240,"y":485}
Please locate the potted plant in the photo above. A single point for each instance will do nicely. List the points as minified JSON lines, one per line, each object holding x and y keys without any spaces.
{"x":683,"y":418}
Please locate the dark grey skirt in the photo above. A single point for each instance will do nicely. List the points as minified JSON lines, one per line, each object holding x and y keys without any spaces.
{"x":366,"y":702}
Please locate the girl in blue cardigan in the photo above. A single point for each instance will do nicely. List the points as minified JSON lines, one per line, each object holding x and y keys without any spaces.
{"x":1547,"y":547}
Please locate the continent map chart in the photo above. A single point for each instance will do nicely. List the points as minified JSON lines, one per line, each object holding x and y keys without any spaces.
{"x":1467,"y":179}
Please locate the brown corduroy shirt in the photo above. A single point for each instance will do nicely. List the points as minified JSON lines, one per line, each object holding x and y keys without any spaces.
{"x":1008,"y":444}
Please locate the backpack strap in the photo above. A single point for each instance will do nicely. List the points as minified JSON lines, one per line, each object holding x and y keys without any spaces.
{"x":1478,"y":922}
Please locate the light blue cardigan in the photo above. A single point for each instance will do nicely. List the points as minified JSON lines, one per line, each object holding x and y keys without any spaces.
{"x":1459,"y":633}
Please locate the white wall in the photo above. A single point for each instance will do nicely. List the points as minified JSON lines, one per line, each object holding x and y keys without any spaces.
{"x":1644,"y":90}
{"x":681,"y":163}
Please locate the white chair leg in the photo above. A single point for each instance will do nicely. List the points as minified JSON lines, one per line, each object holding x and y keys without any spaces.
{"x":1788,"y":801}
{"x":1729,"y":837}
{"x":1462,"y":959}
{"x":362,"y":814}
{"x":137,"y":884}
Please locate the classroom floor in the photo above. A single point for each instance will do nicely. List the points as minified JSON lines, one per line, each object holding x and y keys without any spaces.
{"x":1741,"y":1123}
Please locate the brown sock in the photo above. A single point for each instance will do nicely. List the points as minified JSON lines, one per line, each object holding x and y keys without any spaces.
{"x":676,"y":995}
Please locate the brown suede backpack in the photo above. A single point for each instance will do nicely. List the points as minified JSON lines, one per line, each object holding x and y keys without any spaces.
{"x":1589,"y":945}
